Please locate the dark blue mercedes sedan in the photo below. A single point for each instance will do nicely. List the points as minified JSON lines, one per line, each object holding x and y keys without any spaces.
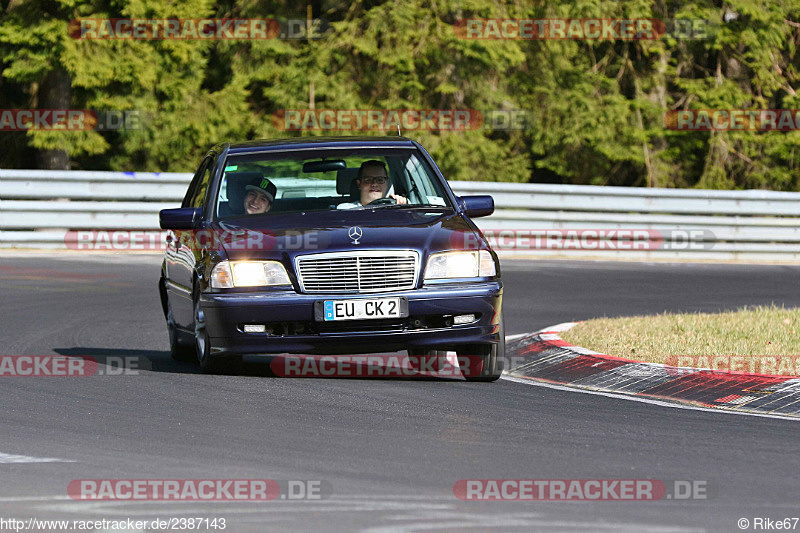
{"x":346,"y":245}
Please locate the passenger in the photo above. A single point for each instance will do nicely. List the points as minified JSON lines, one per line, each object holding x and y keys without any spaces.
{"x":372,"y":183}
{"x":260,"y":194}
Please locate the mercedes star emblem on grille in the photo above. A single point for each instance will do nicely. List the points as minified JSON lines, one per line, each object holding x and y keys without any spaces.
{"x":355,"y":233}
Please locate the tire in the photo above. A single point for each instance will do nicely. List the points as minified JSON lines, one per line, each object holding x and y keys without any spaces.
{"x":181,"y":345}
{"x":179,"y":349}
{"x":492,"y":356}
{"x":209,"y":363}
{"x":422,"y":359}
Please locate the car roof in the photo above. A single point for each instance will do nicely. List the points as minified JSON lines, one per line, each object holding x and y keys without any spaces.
{"x":316,"y":143}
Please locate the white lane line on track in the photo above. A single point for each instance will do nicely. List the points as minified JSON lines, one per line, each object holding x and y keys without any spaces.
{"x":405,"y":514}
{"x":7,"y":458}
{"x":560,"y":328}
{"x":19,"y":499}
{"x":334,"y":505}
{"x":528,"y":381}
{"x":509,"y":522}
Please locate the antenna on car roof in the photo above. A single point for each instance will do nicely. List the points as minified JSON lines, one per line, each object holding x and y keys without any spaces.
{"x":398,"y":131}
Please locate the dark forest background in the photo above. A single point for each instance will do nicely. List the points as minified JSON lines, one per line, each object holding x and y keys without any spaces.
{"x":595,"y":108}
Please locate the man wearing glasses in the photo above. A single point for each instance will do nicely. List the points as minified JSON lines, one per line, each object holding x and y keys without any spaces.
{"x":372,"y":183}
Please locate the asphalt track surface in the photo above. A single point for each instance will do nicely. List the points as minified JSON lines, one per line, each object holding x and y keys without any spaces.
{"x":390,"y":450}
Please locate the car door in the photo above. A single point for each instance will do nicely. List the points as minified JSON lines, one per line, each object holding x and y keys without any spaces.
{"x":181,"y":248}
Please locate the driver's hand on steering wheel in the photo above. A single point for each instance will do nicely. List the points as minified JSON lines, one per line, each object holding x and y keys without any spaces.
{"x":399,"y":199}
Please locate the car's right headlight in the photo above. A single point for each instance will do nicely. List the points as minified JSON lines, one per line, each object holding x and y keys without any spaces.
{"x":230,"y":274}
{"x":473,"y":264}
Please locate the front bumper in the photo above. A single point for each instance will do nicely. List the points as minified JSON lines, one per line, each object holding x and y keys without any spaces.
{"x":294,"y":330}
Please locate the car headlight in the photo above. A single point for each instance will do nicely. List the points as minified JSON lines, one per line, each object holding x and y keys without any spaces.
{"x":230,"y":274}
{"x":475,"y":264}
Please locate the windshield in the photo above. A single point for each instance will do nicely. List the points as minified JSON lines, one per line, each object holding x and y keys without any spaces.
{"x":265,"y":184}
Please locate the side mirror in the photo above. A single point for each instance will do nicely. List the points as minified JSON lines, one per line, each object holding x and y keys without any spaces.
{"x":478,"y":206}
{"x":181,"y":218}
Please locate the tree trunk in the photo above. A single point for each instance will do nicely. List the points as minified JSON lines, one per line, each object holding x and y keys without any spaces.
{"x":54,"y":93}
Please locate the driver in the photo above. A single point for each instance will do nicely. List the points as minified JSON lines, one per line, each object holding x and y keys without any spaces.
{"x":372,"y":183}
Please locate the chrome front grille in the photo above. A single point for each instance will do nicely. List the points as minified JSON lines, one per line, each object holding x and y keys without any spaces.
{"x":356,"y":272}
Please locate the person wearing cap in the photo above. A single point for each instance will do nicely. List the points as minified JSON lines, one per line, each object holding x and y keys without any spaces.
{"x":259,"y":196}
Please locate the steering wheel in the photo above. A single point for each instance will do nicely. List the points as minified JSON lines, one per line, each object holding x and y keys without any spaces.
{"x":383,"y":201}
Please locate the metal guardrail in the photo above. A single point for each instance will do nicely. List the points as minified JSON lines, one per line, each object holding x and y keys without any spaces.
{"x":37,"y":208}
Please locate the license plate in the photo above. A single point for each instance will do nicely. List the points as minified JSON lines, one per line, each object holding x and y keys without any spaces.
{"x":362,"y":309}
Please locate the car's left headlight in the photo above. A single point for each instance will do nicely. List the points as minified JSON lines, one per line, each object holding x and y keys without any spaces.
{"x":475,"y":264}
{"x":230,"y":274}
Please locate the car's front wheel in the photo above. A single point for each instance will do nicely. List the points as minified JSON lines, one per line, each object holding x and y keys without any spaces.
{"x":209,"y":363}
{"x":181,"y":345}
{"x":426,"y":361}
{"x":180,"y":349}
{"x":485,"y":361}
